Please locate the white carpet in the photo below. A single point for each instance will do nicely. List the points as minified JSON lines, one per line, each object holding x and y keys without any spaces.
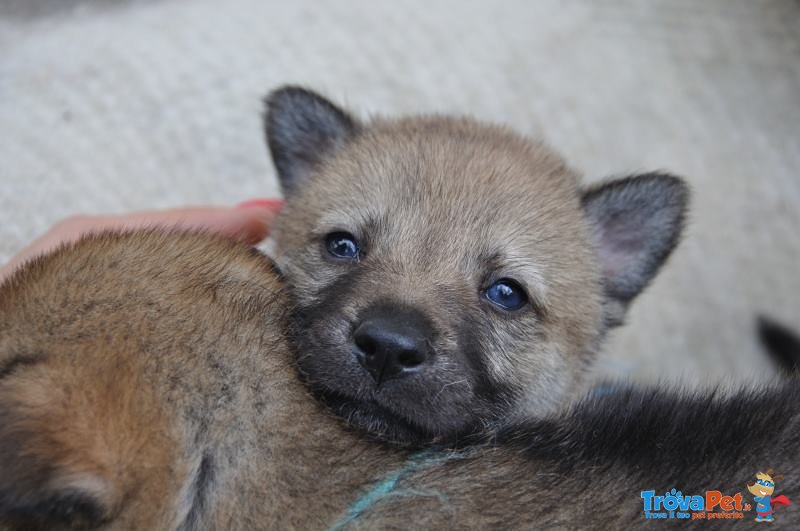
{"x":114,"y":106}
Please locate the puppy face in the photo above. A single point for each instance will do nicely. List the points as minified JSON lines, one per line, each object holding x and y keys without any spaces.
{"x":447,"y":275}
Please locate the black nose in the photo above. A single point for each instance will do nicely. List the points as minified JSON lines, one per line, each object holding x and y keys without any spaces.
{"x":391,"y":347}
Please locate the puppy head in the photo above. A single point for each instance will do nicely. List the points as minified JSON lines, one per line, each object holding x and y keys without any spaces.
{"x":449,"y":274}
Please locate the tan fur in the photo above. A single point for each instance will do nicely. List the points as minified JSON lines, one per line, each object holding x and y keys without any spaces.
{"x":151,"y":351}
{"x":155,"y":351}
{"x":442,"y":193}
{"x":149,"y":373}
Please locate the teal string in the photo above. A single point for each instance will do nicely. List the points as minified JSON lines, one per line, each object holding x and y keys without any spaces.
{"x":387,"y":487}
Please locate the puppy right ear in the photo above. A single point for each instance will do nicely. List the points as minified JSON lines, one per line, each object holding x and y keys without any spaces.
{"x":302,"y":129}
{"x":636,"y":223}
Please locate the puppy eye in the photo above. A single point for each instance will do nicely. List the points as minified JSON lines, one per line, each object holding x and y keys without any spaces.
{"x":506,"y":294}
{"x":342,"y":245}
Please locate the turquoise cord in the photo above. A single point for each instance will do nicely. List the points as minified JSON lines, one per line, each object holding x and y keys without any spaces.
{"x":387,"y":487}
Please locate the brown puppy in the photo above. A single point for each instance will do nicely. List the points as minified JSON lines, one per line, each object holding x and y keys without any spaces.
{"x":145,"y":383}
{"x":145,"y":380}
{"x":451,"y":275}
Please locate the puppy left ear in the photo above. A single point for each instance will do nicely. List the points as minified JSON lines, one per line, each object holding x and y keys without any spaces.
{"x":52,"y":473}
{"x":636,"y":222}
{"x":302,"y":129}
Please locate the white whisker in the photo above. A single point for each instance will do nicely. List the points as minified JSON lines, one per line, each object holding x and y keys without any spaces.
{"x":447,"y":385}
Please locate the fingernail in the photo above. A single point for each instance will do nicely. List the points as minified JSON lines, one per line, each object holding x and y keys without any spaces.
{"x":272,"y":204}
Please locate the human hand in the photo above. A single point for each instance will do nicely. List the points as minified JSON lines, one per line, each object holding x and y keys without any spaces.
{"x":248,"y":222}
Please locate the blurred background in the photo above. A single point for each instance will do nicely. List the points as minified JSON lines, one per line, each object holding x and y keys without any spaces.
{"x":111,"y":106}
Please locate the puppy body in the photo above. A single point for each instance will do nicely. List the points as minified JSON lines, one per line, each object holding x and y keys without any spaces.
{"x":146,"y":383}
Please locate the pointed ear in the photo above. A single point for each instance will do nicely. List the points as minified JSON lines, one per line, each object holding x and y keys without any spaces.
{"x":302,"y":129}
{"x":45,"y":482}
{"x":781,"y":344}
{"x":636,"y":223}
{"x":42,"y":498}
{"x":75,"y":428}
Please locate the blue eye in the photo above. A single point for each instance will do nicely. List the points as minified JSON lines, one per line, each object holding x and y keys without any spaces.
{"x":507,"y":294}
{"x":342,"y":245}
